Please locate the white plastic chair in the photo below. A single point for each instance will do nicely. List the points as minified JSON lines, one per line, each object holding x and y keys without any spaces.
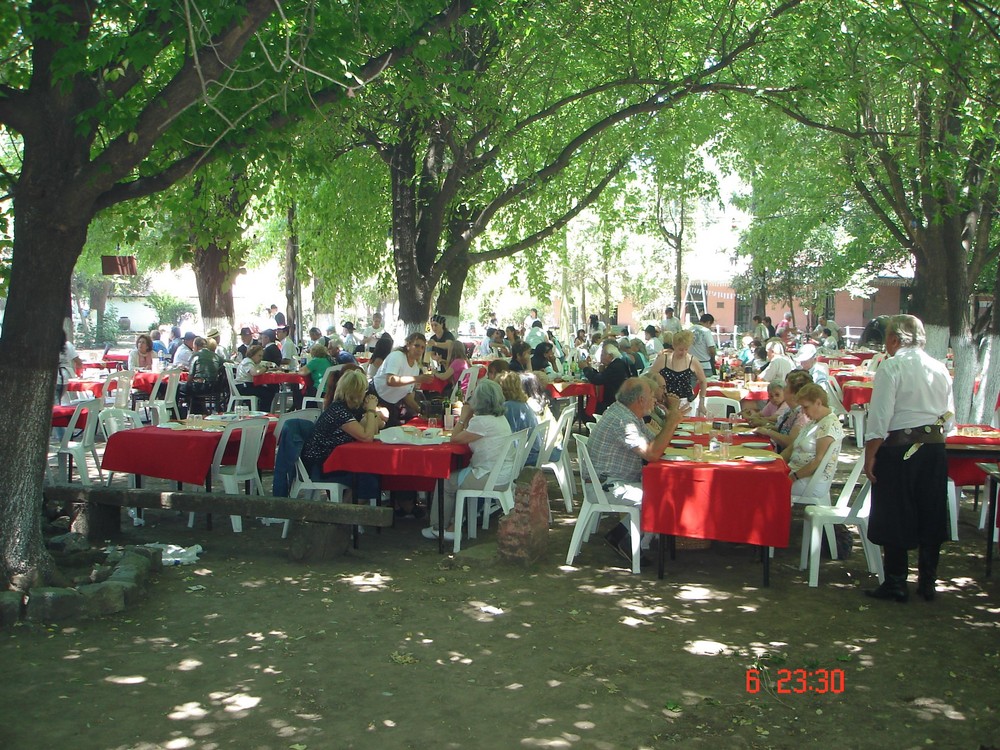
{"x":115,"y":419}
{"x":122,"y":381}
{"x":324,"y":383}
{"x":235,"y":397}
{"x":245,"y":469}
{"x":817,"y":518}
{"x":170,"y":380}
{"x":466,"y":384}
{"x":808,"y":497}
{"x":496,"y":494}
{"x":76,"y":450}
{"x":595,"y":504}
{"x":721,"y":407}
{"x":558,"y":436}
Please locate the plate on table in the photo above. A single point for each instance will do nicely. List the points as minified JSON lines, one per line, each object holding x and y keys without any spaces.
{"x":676,"y":458}
{"x":221,"y":417}
{"x":762,"y":446}
{"x":681,"y":433}
{"x":172,"y":426}
{"x":760,"y":459}
{"x":681,"y":442}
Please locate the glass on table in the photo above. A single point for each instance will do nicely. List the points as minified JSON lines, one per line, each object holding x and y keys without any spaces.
{"x":433,"y":423}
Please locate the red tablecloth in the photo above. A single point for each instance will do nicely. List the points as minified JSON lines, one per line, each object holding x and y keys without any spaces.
{"x":856,"y":395}
{"x":178,"y":455}
{"x":145,"y":380}
{"x":100,"y":366}
{"x":61,"y":414}
{"x":963,"y":471}
{"x":864,"y":356}
{"x":844,"y":376}
{"x":749,"y":437}
{"x":588,"y":391}
{"x":276,"y":378}
{"x":86,"y":385}
{"x":729,"y":502}
{"x":115,"y":357}
{"x":411,"y":467}
{"x":437,"y":386}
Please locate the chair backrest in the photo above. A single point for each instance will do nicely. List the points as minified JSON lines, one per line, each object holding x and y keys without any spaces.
{"x":817,"y":476}
{"x":93,"y":408}
{"x":114,"y":419}
{"x":310,"y":415}
{"x":122,"y":383}
{"x":851,"y":482}
{"x":471,"y":380}
{"x":324,"y":382}
{"x":508,"y":457}
{"x":230,"y":368}
{"x":558,"y":436}
{"x":524,"y":446}
{"x":835,"y":395}
{"x":171,"y":379}
{"x":722,"y":407}
{"x":589,"y":475}
{"x":862,"y":503}
{"x":251,"y":439}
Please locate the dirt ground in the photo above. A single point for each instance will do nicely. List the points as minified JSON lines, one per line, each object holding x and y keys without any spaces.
{"x":395,"y":646}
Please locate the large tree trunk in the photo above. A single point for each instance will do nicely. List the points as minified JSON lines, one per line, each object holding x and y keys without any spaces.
{"x":49,"y":234}
{"x":215,"y":292}
{"x":409,"y":248}
{"x":449,"y":301}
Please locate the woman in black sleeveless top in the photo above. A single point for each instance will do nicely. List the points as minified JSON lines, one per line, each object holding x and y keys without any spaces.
{"x":676,"y":368}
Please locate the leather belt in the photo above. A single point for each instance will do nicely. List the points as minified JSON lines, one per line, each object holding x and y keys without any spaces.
{"x":928,"y":433}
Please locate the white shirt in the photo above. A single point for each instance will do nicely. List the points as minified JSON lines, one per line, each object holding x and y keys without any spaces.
{"x":911,"y":389}
{"x":653,"y":347}
{"x":702,"y":343}
{"x":673,"y":325}
{"x":534,"y":337}
{"x":183,"y":355}
{"x":245,"y":371}
{"x":351,"y":343}
{"x":371,"y":335}
{"x":288,"y":349}
{"x":778,"y":369}
{"x":395,"y":364}
{"x":486,"y":451}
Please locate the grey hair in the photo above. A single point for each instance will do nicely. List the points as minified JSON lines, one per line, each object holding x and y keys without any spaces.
{"x":774,"y":345}
{"x":632,"y":390}
{"x":908,"y":329}
{"x":609,"y":348}
{"x":488,"y":399}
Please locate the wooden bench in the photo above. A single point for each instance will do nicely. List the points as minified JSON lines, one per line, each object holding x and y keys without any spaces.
{"x":321,"y":529}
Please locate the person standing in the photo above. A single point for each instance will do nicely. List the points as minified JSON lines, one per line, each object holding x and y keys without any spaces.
{"x":371,"y":334}
{"x":911,"y":410}
{"x":670,"y":324}
{"x":703,"y":345}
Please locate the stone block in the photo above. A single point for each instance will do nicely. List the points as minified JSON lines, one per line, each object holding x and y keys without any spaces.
{"x":10,"y":608}
{"x":69,"y":542}
{"x":523,"y":535}
{"x":102,"y":598}
{"x":130,"y":591}
{"x":50,"y":604}
{"x":153,"y":554}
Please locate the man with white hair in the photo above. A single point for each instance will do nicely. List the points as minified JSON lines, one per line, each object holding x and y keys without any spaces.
{"x":614,"y":371}
{"x":778,"y":364}
{"x":808,"y":360}
{"x":911,"y":410}
{"x":622,"y":441}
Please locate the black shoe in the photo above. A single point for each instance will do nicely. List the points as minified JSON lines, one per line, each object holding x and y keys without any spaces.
{"x":927,"y":589}
{"x":418,"y":512}
{"x":617,"y":535}
{"x":893,"y":588}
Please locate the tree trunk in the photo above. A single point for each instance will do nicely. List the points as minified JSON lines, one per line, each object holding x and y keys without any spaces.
{"x":213,"y":279}
{"x":49,"y":234}
{"x":409,"y":248}
{"x":100,"y":290}
{"x":291,"y":276}
{"x":449,"y":300}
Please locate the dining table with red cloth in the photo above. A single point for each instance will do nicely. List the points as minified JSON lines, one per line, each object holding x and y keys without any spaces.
{"x":62,"y":413}
{"x":856,"y":393}
{"x":178,"y":455}
{"x":279,"y":378}
{"x":99,"y":366}
{"x":963,"y":471}
{"x":587,"y":394}
{"x":92,"y":386}
{"x":403,"y":466}
{"x":845,"y":376}
{"x":146,"y":380}
{"x":731,"y":501}
{"x":436,"y":386}
{"x":863,"y":356}
{"x":845,"y":359}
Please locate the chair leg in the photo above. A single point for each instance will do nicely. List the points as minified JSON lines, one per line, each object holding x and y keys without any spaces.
{"x":953,"y":492}
{"x":831,"y":540}
{"x":582,"y":522}
{"x":191,"y":520}
{"x":635,"y":537}
{"x":237,"y":522}
{"x":806,"y":536}
{"x":459,"y":512}
{"x":814,"y":547}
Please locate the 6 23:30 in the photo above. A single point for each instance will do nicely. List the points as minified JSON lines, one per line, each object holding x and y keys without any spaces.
{"x":798,"y":681}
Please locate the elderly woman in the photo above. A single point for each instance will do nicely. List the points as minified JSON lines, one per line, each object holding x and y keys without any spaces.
{"x":806,"y":452}
{"x":778,"y":364}
{"x":351,"y":416}
{"x":678,"y":367}
{"x":614,"y":371}
{"x":246,"y":369}
{"x":398,"y":376}
{"x":315,"y":368}
{"x":141,"y":358}
{"x":789,"y":422}
{"x":520,"y":415}
{"x":483,"y":427}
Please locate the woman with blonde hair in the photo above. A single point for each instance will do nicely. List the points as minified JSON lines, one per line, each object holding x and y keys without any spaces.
{"x":678,"y":367}
{"x":519,"y":415}
{"x":805,"y":454}
{"x":352,"y":416}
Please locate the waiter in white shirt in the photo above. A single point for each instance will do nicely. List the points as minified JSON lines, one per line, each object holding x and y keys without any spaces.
{"x":371,"y":334}
{"x":911,"y":410}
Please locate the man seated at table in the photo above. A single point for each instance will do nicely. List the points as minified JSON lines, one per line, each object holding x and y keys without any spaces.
{"x":246,"y":341}
{"x":778,"y":363}
{"x":185,"y":351}
{"x":621,"y":442}
{"x":338,"y":353}
{"x":614,"y":371}
{"x":808,"y":360}
{"x":205,"y":370}
{"x":535,"y":335}
{"x":159,"y":348}
{"x":289,"y":351}
{"x":654,"y":344}
{"x":272,"y":352}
